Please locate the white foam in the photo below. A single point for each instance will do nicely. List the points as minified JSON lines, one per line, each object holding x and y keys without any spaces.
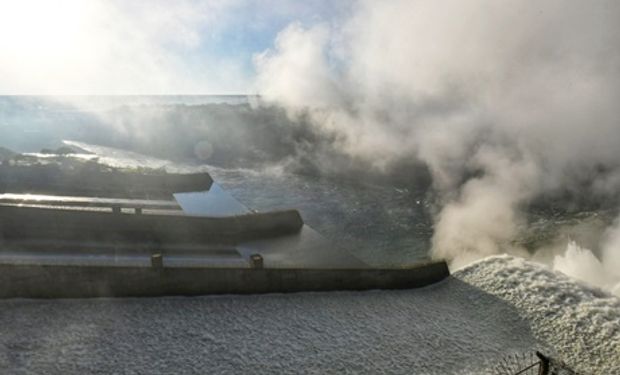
{"x":581,"y":323}
{"x":581,"y":264}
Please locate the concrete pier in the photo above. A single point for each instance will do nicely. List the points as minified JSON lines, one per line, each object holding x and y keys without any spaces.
{"x":77,"y":246}
{"x":80,"y":281}
{"x":19,"y":223}
{"x":94,"y":181}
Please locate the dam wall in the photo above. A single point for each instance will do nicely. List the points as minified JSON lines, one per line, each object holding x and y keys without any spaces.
{"x":43,"y":224}
{"x":78,"y":281}
{"x":85,"y":180}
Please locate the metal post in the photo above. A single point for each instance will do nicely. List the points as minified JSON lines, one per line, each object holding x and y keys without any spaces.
{"x":544,"y":364}
{"x":157,"y":261}
{"x":256,"y":261}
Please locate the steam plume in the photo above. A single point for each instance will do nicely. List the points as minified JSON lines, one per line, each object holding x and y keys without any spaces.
{"x":505,"y":102}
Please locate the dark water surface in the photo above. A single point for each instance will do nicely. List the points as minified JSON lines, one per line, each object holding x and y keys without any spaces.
{"x":383,"y":225}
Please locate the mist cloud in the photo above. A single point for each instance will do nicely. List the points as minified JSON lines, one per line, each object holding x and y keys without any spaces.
{"x":505,"y":102}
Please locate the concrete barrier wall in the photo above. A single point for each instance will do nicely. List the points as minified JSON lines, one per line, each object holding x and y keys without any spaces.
{"x":18,"y":223}
{"x":76,"y":282}
{"x":52,"y":179}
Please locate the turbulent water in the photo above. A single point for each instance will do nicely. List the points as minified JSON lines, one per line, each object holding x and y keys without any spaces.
{"x":580,"y":324}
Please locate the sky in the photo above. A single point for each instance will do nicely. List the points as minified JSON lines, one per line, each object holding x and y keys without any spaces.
{"x":97,"y":47}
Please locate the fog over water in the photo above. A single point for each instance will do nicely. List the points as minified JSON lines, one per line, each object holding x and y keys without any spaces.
{"x":509,"y":105}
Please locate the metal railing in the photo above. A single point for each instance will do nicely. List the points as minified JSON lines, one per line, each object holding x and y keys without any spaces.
{"x":531,"y":364}
{"x":115,"y":204}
